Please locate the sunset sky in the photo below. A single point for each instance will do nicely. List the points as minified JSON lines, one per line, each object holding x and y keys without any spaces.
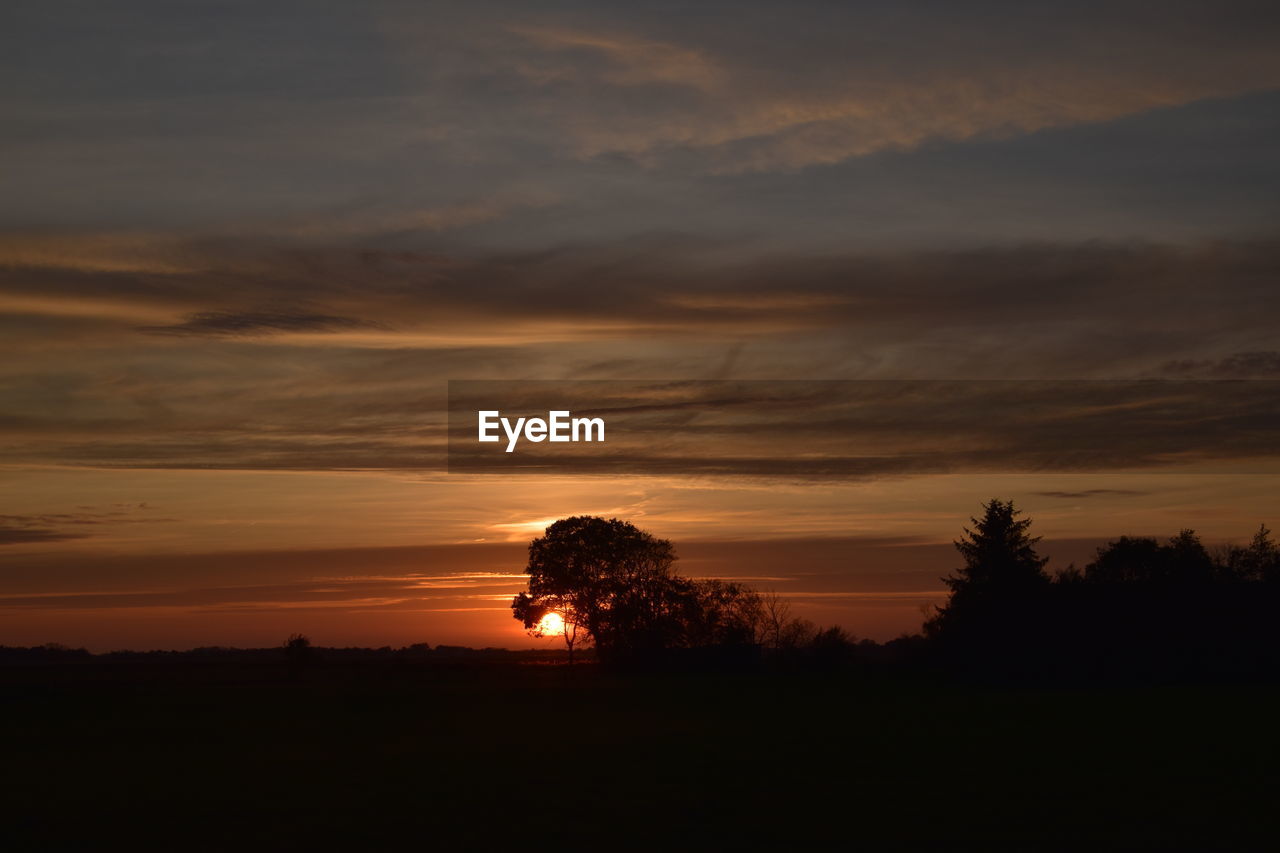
{"x":244,"y":247}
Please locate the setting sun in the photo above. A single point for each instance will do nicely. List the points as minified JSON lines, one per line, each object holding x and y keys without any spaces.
{"x":551,"y":624}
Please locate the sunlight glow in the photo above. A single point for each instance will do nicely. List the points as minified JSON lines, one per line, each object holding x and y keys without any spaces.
{"x":551,"y":624}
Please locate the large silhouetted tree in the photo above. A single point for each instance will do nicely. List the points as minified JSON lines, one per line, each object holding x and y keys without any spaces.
{"x":999,"y":554}
{"x":607,"y":578}
{"x":1002,"y":577}
{"x":615,"y":585}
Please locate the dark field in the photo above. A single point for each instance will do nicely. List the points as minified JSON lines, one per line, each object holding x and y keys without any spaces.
{"x":483,"y":755}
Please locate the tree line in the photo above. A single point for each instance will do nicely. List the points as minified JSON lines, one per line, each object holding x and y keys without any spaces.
{"x":1142,"y":607}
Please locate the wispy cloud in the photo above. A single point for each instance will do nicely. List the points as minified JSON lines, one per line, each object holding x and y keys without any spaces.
{"x":627,"y":60}
{"x":27,"y":535}
{"x":253,"y":323}
{"x":350,"y":355}
{"x":1240,"y":365}
{"x":95,"y":251}
{"x":24,"y":529}
{"x":1090,"y":493}
{"x":860,"y":79}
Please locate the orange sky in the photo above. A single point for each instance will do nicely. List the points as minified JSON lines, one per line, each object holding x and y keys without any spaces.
{"x":240,"y":263}
{"x":187,"y":558}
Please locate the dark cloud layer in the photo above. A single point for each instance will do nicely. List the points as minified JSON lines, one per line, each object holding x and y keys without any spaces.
{"x":64,"y":526}
{"x":875,"y":428}
{"x":232,"y":386}
{"x":1240,"y":365}
{"x":251,"y":323}
{"x":1090,"y":493}
{"x":680,"y":286}
{"x":515,"y":124}
{"x":27,"y":535}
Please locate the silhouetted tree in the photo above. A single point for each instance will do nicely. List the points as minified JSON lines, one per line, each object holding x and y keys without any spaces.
{"x":775,"y":616}
{"x":298,"y":650}
{"x":1127,"y":560}
{"x":999,"y":555}
{"x":615,"y":585}
{"x":1183,"y":560}
{"x":832,"y":646}
{"x":796,"y":634}
{"x":724,"y":613}
{"x":1173,"y":610}
{"x":1070,"y":575}
{"x":533,"y":614}
{"x":781,"y":631}
{"x":1145,"y":609}
{"x":607,"y":578}
{"x":1259,"y":561}
{"x":1002,"y":572}
{"x":1189,"y":562}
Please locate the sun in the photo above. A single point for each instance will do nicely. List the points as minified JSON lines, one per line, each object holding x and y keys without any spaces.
{"x":551,"y":624}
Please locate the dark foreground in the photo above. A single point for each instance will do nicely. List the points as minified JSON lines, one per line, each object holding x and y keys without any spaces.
{"x":526,"y":756}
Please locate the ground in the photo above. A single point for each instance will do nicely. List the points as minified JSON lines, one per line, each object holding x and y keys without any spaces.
{"x":477,"y":755}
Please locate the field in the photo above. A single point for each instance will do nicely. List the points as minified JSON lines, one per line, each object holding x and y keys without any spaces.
{"x":479,"y":755}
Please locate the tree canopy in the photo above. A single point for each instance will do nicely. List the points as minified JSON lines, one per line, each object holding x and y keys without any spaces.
{"x":616,"y":584}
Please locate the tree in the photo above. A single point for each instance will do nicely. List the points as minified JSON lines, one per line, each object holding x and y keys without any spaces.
{"x":1264,"y":555}
{"x":781,"y":631}
{"x":1189,"y":562}
{"x":724,"y":613}
{"x":1260,"y":561}
{"x":606,"y":578}
{"x":999,"y":555}
{"x":1143,"y":560}
{"x":1129,"y":559}
{"x":832,"y":645}
{"x":298,"y":651}
{"x":297,"y":645}
{"x":1002,"y":572}
{"x":776,"y":616}
{"x":614,"y":585}
{"x":534,"y":616}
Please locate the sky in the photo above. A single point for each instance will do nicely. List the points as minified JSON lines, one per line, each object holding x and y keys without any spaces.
{"x":245,"y":247}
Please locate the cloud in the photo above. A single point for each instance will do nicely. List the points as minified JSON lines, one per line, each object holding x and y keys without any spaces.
{"x":80,"y":518}
{"x":408,"y":590}
{"x":1240,"y":365}
{"x":396,"y":577}
{"x":94,"y":251}
{"x":254,"y":323}
{"x":878,"y":428}
{"x":521,"y":125}
{"x":1090,"y":493}
{"x":824,"y":83}
{"x":20,"y":529}
{"x":350,"y":371}
{"x":678,"y":285}
{"x":27,"y":535}
{"x":374,"y":220}
{"x":628,"y":60}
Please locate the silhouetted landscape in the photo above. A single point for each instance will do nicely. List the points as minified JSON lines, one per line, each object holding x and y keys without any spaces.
{"x":1132,"y":700}
{"x":596,"y":426}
